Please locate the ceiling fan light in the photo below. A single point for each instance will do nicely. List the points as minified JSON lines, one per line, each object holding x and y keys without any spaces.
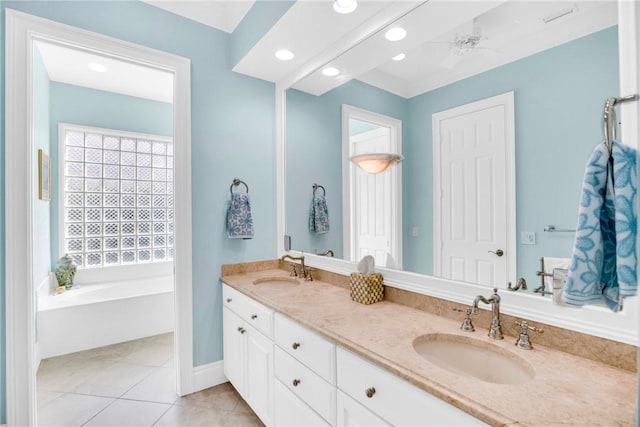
{"x":376,"y":162}
{"x":345,"y":6}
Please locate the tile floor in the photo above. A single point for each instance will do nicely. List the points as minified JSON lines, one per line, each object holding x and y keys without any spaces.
{"x":130,"y":384}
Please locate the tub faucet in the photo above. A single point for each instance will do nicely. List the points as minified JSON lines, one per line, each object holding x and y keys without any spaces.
{"x":495,"y":331}
{"x":304,"y":272}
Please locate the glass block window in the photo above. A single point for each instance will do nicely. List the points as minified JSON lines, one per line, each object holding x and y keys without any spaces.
{"x":118,"y":197}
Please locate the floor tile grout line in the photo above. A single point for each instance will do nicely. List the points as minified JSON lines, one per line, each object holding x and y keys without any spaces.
{"x":162,"y":415}
{"x":101,"y":410}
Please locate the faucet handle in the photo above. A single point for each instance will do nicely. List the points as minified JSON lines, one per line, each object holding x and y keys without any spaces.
{"x":523,"y":340}
{"x":293,"y":273}
{"x":467,"y":324}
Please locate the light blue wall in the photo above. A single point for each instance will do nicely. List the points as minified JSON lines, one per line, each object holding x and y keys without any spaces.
{"x":314,"y":155}
{"x":559,"y":95}
{"x":255,"y":24}
{"x":41,"y":215}
{"x":223,"y":146}
{"x":89,"y":107}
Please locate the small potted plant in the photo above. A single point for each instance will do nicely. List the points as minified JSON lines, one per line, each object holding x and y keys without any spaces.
{"x":65,"y":272}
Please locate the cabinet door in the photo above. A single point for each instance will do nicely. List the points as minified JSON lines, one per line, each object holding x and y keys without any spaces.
{"x":291,"y":411}
{"x":353,"y":414}
{"x":234,"y":350}
{"x":260,"y":374}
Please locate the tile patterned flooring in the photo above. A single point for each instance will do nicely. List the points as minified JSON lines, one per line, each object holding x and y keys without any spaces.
{"x":131,"y":384}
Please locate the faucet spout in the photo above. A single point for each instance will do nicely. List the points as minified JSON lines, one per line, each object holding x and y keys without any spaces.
{"x":495,"y":331}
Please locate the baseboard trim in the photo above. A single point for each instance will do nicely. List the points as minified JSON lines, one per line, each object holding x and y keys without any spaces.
{"x":209,"y":375}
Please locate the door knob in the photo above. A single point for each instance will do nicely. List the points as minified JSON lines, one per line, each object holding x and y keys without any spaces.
{"x":499,"y":252}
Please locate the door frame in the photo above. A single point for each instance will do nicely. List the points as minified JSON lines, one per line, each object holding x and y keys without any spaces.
{"x":21,"y":31}
{"x":507,"y":101}
{"x":348,"y":233}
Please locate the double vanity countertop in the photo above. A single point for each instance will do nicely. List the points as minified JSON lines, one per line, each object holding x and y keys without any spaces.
{"x":566,"y":390}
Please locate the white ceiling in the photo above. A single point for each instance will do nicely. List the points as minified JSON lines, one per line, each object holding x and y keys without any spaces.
{"x":223,"y":15}
{"x":509,"y":31}
{"x":71,"y":66}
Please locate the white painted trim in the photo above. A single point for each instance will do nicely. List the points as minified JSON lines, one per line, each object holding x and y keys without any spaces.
{"x":628,"y":45}
{"x":395,"y":125}
{"x":209,"y":375}
{"x":21,"y":31}
{"x":506,"y":100}
{"x":281,"y":170}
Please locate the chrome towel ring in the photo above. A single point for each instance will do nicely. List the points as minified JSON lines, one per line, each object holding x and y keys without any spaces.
{"x":236,"y":182}
{"x":316,"y":186}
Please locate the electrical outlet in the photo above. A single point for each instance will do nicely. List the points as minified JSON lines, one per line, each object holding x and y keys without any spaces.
{"x":528,"y":238}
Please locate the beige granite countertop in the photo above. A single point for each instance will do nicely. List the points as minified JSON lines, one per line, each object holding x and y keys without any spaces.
{"x":567,"y":390}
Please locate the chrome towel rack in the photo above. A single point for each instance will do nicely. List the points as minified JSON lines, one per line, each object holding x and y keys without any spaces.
{"x":610,"y":120}
{"x":316,"y":186}
{"x":236,"y":182}
{"x":553,"y":229}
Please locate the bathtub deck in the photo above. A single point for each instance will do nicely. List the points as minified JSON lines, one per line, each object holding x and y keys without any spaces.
{"x":130,"y":383}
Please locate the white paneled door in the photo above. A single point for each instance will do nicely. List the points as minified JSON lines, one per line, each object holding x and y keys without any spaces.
{"x":474,"y":206}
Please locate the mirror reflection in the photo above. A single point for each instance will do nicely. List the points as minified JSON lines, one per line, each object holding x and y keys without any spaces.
{"x":557,"y":61}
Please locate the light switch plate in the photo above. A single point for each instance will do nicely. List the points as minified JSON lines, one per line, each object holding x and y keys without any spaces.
{"x":528,"y":237}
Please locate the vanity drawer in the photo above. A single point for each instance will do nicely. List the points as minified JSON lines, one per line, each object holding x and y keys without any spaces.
{"x":291,"y":411}
{"x":254,"y":313}
{"x":308,"y":347}
{"x":394,"y":399}
{"x":307,"y":385}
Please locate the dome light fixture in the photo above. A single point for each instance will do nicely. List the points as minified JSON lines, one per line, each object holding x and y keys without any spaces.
{"x":97,"y":67}
{"x":284,"y":55}
{"x":395,"y":34}
{"x":399,"y":57}
{"x":330,"y":71}
{"x":345,"y":6}
{"x":375,"y":163}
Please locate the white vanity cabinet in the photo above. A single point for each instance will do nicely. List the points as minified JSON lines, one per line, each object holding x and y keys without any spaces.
{"x":393,"y":399}
{"x":305,"y":366}
{"x":248,"y":352}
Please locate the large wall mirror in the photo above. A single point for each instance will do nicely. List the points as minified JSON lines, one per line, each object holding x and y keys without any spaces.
{"x":556,"y":61}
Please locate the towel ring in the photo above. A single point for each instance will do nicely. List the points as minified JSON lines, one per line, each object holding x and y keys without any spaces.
{"x":610,"y":120}
{"x":237,"y":182}
{"x":316,"y":186}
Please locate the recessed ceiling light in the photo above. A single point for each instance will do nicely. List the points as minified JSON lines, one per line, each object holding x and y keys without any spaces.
{"x":399,"y":57}
{"x":97,"y":67}
{"x":330,"y":71}
{"x":395,"y":34}
{"x":345,"y":6}
{"x":284,"y":55}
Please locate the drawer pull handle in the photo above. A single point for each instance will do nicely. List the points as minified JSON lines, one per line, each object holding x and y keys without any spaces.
{"x":295,"y":345}
{"x":229,"y":300}
{"x":370,"y":392}
{"x":254,"y":316}
{"x":241,"y":330}
{"x":296,"y":382}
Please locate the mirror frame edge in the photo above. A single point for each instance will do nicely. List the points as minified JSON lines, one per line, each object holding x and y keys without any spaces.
{"x":596,"y":321}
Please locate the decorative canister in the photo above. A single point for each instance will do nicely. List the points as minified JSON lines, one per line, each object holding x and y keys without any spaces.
{"x":366,"y":289}
{"x":65,"y":272}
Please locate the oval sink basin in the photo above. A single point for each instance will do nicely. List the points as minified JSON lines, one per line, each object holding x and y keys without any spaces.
{"x":469,"y":357}
{"x":276,"y":281}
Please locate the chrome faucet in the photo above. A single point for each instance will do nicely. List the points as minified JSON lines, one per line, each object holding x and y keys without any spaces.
{"x":305,"y":273}
{"x":495,"y":331}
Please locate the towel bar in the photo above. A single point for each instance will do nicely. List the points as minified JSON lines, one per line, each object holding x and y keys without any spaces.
{"x":553,"y":229}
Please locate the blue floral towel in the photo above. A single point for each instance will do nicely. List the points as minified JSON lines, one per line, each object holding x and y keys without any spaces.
{"x":239,"y":221}
{"x":604,"y":260}
{"x":319,"y":215}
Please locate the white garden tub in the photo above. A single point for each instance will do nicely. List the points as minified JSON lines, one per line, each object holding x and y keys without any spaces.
{"x":96,"y":315}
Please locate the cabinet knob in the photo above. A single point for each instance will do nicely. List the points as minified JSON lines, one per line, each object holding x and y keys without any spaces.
{"x":229,"y":300}
{"x":370,"y":392}
{"x":241,"y":330}
{"x":254,"y":316}
{"x":296,"y":382}
{"x":295,"y":345}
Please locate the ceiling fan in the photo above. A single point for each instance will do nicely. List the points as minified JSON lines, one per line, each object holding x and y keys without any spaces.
{"x":463,"y":45}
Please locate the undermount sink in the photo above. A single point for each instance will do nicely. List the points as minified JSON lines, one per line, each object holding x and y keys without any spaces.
{"x":276,"y":281}
{"x":473,"y":358}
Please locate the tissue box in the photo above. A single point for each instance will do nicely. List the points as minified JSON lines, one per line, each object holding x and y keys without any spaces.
{"x":366,"y":289}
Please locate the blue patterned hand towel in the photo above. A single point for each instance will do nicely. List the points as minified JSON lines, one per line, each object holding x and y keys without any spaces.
{"x":239,"y":220}
{"x":319,"y":215}
{"x":604,"y":260}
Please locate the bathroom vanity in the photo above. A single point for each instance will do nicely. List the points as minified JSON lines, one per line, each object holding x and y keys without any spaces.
{"x":303,"y":353}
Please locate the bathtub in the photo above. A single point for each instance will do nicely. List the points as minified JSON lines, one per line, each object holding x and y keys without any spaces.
{"x":100,"y":314}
